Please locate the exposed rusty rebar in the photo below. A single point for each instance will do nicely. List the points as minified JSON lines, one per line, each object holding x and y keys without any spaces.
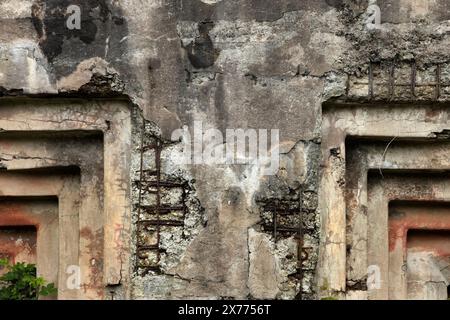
{"x":152,"y":183}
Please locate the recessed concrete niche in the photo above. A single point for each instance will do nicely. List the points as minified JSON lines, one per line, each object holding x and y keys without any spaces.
{"x":384,"y":201}
{"x":428,"y":264}
{"x":18,"y":243}
{"x":419,"y":234}
{"x":64,"y":174}
{"x":390,"y":223}
{"x":28,"y":225}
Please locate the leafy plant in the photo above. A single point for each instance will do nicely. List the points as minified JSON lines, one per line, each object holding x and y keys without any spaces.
{"x":329,"y":298}
{"x":21,"y":283}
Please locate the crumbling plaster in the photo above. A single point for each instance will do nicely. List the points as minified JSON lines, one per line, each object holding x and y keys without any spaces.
{"x":245,"y":64}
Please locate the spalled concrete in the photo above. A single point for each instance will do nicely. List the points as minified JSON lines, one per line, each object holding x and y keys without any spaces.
{"x":289,"y":65}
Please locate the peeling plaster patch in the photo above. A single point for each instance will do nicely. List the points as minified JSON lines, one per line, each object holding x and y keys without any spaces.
{"x":416,"y":8}
{"x":264,"y":271}
{"x":24,"y":66}
{"x":36,"y":82}
{"x":335,"y":85}
{"x":15,"y":9}
{"x":83,"y":74}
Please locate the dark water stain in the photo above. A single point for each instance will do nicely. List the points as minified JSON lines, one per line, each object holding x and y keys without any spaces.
{"x":335,"y":3}
{"x":102,"y":28}
{"x":201,"y":51}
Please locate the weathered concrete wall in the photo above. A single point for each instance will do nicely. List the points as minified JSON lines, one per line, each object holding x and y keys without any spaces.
{"x":78,"y":152}
{"x":230,"y":64}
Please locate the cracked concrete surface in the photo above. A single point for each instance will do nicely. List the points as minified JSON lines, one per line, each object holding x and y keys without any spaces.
{"x":230,"y":64}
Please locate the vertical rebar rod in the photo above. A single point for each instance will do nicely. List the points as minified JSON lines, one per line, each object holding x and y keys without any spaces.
{"x":371,"y":80}
{"x":413,"y":78}
{"x":392,"y":80}
{"x":141,"y":176}
{"x":158,"y":197}
{"x":275,"y":219}
{"x":438,"y":81}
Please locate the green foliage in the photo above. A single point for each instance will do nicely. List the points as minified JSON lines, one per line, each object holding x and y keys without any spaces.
{"x":21,"y":283}
{"x":329,"y":298}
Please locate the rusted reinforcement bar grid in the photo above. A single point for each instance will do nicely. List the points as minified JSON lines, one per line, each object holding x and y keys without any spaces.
{"x":287,"y":220}
{"x":153,"y":217}
{"x":391,"y":84}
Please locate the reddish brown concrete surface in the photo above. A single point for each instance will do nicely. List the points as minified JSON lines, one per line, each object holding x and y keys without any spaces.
{"x":434,"y":241}
{"x":406,"y":218}
{"x":18,"y":244}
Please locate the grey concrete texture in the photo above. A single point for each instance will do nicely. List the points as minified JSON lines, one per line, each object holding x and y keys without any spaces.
{"x":252,"y":64}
